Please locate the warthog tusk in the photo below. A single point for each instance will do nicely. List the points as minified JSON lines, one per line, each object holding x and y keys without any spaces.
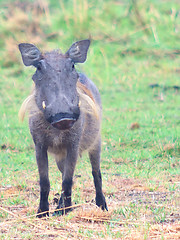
{"x":43,"y":105}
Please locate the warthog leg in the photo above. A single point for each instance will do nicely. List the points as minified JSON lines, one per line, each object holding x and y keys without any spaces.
{"x":94,"y":155}
{"x":42,"y":162}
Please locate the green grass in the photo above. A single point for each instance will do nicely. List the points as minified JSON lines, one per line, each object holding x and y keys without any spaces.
{"x":134,"y":61}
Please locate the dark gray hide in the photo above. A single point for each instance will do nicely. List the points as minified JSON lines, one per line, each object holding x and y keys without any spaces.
{"x":60,"y":127}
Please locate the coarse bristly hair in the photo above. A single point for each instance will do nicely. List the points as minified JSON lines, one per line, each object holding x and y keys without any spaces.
{"x":87,"y":103}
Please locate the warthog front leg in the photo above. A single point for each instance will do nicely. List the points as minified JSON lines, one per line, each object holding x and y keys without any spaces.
{"x":94,"y":156}
{"x":67,"y":167}
{"x":65,"y":199}
{"x":42,"y":162}
{"x":100,"y":199}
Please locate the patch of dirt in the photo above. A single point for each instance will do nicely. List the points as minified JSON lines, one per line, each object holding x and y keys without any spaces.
{"x":8,"y":148}
{"x":134,"y":126}
{"x":168,"y":231}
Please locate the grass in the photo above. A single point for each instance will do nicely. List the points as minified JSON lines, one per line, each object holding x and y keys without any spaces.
{"x":134,"y":60}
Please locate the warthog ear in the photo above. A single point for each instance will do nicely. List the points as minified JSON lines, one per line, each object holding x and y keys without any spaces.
{"x":78,"y":51}
{"x":30,"y":54}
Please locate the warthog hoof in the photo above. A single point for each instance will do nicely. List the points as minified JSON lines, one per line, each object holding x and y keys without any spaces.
{"x":43,"y":210}
{"x":63,"y":207}
{"x":101,"y":202}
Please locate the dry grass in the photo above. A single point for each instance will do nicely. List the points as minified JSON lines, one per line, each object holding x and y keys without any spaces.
{"x":131,"y":214}
{"x":23,"y":21}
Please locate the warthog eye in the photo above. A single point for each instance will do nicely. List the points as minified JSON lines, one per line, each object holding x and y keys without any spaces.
{"x":41,"y":65}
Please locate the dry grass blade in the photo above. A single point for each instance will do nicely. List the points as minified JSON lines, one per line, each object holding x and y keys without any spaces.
{"x":96,"y":219}
{"x":42,"y":229}
{"x":93,"y":214}
{"x":57,"y":210}
{"x":5,"y":210}
{"x":35,"y":215}
{"x":20,"y":218}
{"x":35,"y":225}
{"x":154,"y":31}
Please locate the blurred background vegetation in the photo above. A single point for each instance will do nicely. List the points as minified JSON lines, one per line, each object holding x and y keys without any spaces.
{"x":129,"y":27}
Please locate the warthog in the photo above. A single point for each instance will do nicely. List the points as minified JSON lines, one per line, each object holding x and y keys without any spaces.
{"x":64,"y":119}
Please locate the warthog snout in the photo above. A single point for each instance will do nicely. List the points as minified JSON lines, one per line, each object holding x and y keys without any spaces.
{"x":64,"y":121}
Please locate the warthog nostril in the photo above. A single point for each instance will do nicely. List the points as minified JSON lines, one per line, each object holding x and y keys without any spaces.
{"x":64,"y":124}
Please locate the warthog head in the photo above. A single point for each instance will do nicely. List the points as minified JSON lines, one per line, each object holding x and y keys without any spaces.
{"x":55,"y":81}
